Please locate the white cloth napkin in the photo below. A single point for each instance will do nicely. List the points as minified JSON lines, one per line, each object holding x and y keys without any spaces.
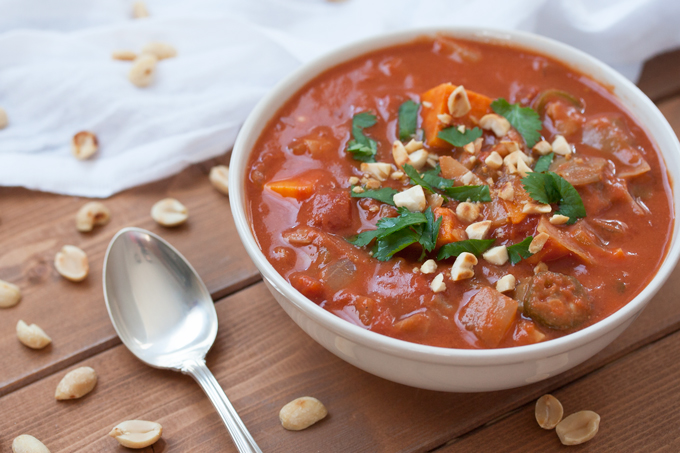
{"x":57,"y":76}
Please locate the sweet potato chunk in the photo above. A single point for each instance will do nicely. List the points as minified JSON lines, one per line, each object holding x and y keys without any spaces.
{"x":299,"y":187}
{"x":489,"y":314}
{"x":438,"y":98}
{"x":450,"y":230}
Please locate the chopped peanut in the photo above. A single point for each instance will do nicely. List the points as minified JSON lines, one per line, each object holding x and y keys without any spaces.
{"x":506,"y":283}
{"x":353,"y":180}
{"x":458,"y":102}
{"x":536,"y":208}
{"x":560,"y":146}
{"x":478,"y":230}
{"x":507,"y":192}
{"x":397,"y":175}
{"x":542,"y":148}
{"x":399,"y":153}
{"x":418,"y":159}
{"x":463,"y":267}
{"x":522,"y":168}
{"x":413,"y":145}
{"x":429,"y":267}
{"x":379,"y":170}
{"x":538,"y":242}
{"x":497,"y":255}
{"x":514,"y":158}
{"x":438,"y":284}
{"x":494,"y":160}
{"x":445,"y":118}
{"x":373,"y":184}
{"x":508,"y":146}
{"x":412,"y":199}
{"x":467,"y":178}
{"x":467,"y":212}
{"x":559,"y":219}
{"x":474,"y":147}
{"x":495,"y":123}
{"x":125,"y":55}
{"x":358,"y":189}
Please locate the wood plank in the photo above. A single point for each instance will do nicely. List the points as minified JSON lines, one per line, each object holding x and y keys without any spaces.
{"x":34,"y":226}
{"x":659,"y":79}
{"x":263,"y":360}
{"x":637,"y":398}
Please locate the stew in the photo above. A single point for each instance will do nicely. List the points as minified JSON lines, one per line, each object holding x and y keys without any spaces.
{"x":460,"y":194}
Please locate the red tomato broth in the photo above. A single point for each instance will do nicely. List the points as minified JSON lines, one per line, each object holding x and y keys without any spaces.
{"x":389,"y":297}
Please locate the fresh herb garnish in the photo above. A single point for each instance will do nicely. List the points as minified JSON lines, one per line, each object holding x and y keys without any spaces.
{"x":543,"y":163}
{"x":395,"y":233}
{"x":524,"y":119}
{"x":417,"y":179}
{"x":384,"y":194}
{"x":520,"y":250}
{"x":474,"y":246}
{"x":550,"y":188}
{"x":457,"y":138}
{"x":472,"y":193}
{"x":408,"y":120}
{"x":432,"y":178}
{"x":362,"y":148}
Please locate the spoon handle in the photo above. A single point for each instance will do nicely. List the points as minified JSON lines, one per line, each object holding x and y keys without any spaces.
{"x":197,"y":369}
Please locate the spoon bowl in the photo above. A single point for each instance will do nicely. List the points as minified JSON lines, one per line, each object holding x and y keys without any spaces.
{"x":164,"y":315}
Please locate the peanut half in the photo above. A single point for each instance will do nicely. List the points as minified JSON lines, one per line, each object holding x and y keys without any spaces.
{"x":142,"y":71}
{"x":302,"y":413}
{"x":72,"y":263}
{"x":28,"y":444}
{"x":91,"y":214}
{"x":137,"y":433}
{"x":219,"y":178}
{"x":10,"y":294}
{"x":169,"y":212}
{"x":76,"y":384}
{"x":578,"y":428}
{"x":4,"y":120}
{"x":139,"y":10}
{"x":160,"y":50}
{"x":32,"y":336}
{"x":84,"y":144}
{"x":548,"y":411}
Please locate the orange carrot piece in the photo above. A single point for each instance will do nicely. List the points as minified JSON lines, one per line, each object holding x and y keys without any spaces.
{"x":450,"y":230}
{"x":299,"y":187}
{"x":435,"y":102}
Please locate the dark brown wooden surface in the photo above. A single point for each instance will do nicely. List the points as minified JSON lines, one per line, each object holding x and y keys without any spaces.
{"x":263,"y":360}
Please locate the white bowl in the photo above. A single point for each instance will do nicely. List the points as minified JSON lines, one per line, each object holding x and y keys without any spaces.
{"x":429,"y":367}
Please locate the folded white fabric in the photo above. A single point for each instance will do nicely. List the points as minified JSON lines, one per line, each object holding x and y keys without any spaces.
{"x":57,"y":76}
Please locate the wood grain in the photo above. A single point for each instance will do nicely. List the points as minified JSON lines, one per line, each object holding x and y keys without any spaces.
{"x":34,"y":226}
{"x":637,"y":398}
{"x":659,"y":79}
{"x":263,"y":360}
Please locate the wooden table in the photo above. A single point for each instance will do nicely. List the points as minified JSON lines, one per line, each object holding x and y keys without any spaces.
{"x":263,"y":360}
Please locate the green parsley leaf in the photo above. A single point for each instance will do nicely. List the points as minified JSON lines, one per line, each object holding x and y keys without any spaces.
{"x":389,"y":225}
{"x":474,"y":246}
{"x":472,"y":193}
{"x":416,"y":178}
{"x":432,"y":178}
{"x":362,"y":148}
{"x":408,"y":120}
{"x":388,"y":246}
{"x":384,"y":194}
{"x":363,"y":239}
{"x":457,"y":138}
{"x":520,"y":250}
{"x":551,"y":188}
{"x":524,"y":119}
{"x":543,"y":163}
{"x":428,"y":238}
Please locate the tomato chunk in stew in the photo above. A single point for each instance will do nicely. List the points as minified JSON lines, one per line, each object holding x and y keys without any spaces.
{"x":460,"y":194}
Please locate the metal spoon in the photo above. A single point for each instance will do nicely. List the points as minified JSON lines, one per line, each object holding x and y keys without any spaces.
{"x":165,"y":316}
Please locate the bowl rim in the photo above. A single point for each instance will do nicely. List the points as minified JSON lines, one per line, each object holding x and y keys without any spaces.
{"x":624,"y":90}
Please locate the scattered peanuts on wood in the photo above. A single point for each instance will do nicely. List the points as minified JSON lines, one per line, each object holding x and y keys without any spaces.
{"x":72,"y":263}
{"x":137,"y":433}
{"x":578,"y":428}
{"x":169,"y":212}
{"x":10,"y":294}
{"x":302,"y":413}
{"x":76,"y":384}
{"x":26,"y":443}
{"x":32,"y":336}
{"x":548,"y":411}
{"x":219,"y":178}
{"x":92,"y":214}
{"x":84,"y":144}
